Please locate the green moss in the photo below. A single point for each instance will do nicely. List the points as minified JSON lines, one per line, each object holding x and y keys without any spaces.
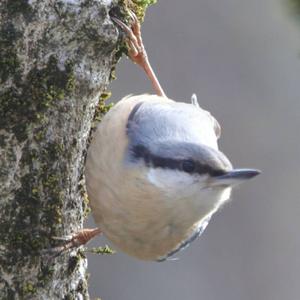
{"x":101,"y":109}
{"x":29,"y":288}
{"x":85,"y":203}
{"x":23,"y":109}
{"x":139,"y":7}
{"x":102,"y":250}
{"x":34,"y":209}
{"x":29,"y":100}
{"x":50,"y":84}
{"x":85,"y":200}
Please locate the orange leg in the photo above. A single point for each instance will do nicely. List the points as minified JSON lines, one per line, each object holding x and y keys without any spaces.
{"x":137,"y":52}
{"x":80,"y":238}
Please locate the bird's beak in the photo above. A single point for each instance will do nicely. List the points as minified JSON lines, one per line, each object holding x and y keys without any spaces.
{"x":235,"y":177}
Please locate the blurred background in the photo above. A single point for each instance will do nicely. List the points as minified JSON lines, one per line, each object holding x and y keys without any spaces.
{"x":241,"y":57}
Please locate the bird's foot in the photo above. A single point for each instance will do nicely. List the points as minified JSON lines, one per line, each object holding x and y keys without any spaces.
{"x":70,"y":242}
{"x":136,"y":49}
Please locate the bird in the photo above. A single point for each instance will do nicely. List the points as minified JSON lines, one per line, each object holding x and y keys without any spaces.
{"x":154,"y":172}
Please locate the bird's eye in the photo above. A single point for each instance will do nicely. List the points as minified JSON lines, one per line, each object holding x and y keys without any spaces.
{"x":188,"y":166}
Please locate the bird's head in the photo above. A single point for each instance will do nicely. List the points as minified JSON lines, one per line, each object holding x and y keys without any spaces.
{"x":183,"y":169}
{"x":174,"y":146}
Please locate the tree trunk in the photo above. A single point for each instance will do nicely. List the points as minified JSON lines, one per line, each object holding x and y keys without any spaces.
{"x":56,"y":59}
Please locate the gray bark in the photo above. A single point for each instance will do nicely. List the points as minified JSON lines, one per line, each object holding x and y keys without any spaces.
{"x":56,"y":59}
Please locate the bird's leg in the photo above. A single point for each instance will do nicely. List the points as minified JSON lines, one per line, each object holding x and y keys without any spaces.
{"x":137,"y":52}
{"x":78,"y":239}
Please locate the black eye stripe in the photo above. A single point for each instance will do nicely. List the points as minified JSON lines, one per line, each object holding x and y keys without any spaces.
{"x":186,"y":165}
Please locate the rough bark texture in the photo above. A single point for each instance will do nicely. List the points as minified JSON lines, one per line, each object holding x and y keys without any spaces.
{"x":56,"y":59}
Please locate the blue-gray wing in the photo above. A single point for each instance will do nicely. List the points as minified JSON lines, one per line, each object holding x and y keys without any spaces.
{"x":199,"y":230}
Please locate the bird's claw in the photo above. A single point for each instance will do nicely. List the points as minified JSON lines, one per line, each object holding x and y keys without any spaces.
{"x":136,"y":49}
{"x":70,"y":242}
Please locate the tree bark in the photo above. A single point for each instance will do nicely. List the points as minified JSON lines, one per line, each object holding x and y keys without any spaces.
{"x":56,"y":59}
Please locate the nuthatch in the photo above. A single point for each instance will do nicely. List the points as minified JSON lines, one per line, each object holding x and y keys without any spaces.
{"x":154,"y":172}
